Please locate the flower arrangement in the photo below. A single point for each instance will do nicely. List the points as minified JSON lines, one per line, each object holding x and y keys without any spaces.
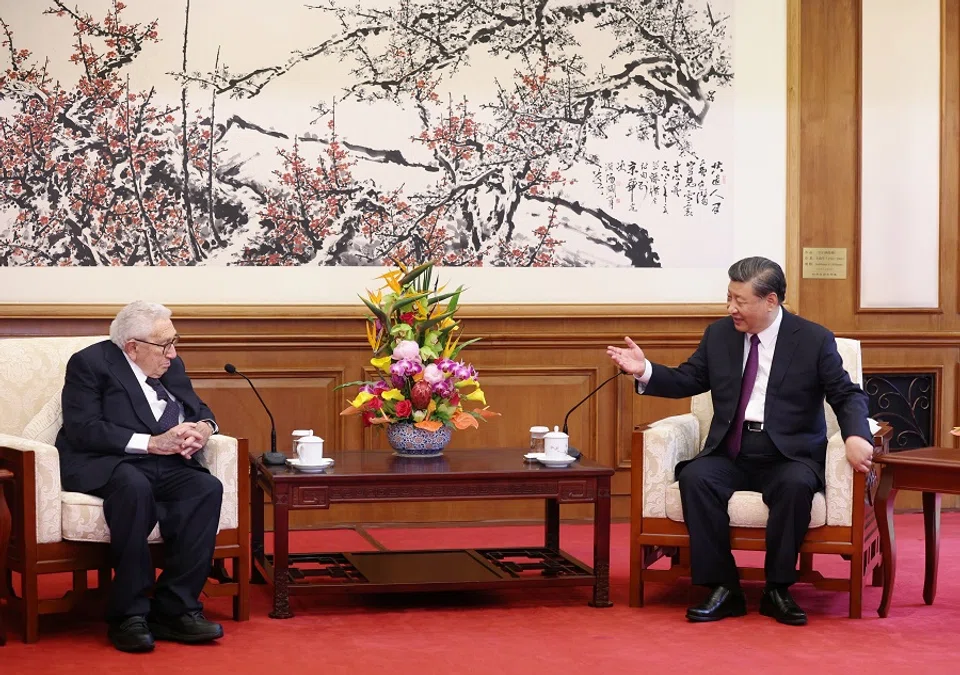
{"x":415,"y":339}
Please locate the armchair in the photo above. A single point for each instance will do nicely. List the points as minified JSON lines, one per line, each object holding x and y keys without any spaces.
{"x":55,"y":531}
{"x":840,"y":523}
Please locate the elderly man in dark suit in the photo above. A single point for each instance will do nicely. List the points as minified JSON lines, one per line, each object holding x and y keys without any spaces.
{"x":768,"y":372}
{"x":132,"y":425}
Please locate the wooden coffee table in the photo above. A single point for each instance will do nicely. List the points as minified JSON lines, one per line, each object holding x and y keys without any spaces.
{"x":932,"y":471}
{"x":459,"y":475}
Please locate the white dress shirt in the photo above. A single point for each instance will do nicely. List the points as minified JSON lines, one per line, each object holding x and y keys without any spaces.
{"x":758,"y":398}
{"x":138,"y":442}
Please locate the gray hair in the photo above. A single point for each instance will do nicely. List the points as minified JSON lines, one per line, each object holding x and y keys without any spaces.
{"x":137,"y":321}
{"x":765,"y":276}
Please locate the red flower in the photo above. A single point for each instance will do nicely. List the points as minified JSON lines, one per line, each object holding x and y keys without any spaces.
{"x":420,"y":394}
{"x":375,"y":403}
{"x":404,"y":408}
{"x":408,"y":318}
{"x":368,"y":419}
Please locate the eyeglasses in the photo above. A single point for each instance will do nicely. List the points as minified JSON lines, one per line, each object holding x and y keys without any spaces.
{"x":165,"y":347}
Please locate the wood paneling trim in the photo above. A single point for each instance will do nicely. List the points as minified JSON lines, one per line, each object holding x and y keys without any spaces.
{"x":302,"y":312}
{"x":793,"y":262}
{"x":950,"y":153}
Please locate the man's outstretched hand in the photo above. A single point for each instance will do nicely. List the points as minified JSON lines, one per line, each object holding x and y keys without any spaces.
{"x":629,"y":359}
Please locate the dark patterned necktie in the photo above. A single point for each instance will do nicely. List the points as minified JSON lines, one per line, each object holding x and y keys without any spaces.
{"x":746,"y":388}
{"x":171,"y":414}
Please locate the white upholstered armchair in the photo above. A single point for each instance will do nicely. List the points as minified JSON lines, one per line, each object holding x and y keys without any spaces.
{"x":839,"y":522}
{"x":57,"y":531}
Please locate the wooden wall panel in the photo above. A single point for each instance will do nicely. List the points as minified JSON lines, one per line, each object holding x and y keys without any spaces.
{"x":537,"y":361}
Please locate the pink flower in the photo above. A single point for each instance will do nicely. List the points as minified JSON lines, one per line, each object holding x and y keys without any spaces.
{"x":407,"y":349}
{"x":406,"y":367}
{"x":433,"y":374}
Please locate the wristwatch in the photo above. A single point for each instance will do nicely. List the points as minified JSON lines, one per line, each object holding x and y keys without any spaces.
{"x":213,"y":425}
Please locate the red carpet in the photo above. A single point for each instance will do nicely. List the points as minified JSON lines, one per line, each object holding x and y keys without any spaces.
{"x":543,"y":632}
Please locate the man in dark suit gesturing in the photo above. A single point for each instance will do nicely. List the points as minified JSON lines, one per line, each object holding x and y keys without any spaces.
{"x":132,"y":425}
{"x":768,"y":372}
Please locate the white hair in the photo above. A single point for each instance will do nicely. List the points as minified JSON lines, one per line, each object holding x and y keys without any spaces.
{"x":137,"y":321}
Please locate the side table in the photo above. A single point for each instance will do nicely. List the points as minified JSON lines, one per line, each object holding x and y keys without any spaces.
{"x":931,"y":471}
{"x":5,"y":526}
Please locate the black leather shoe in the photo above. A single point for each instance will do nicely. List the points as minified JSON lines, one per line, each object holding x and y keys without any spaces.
{"x":777,"y":603}
{"x":189,"y":628}
{"x":722,"y":602}
{"x":131,"y":635}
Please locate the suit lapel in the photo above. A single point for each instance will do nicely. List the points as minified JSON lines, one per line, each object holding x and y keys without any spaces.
{"x":735,"y":348}
{"x":787,"y":340}
{"x":124,"y":374}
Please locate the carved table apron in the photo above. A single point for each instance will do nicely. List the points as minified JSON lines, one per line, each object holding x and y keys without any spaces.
{"x":380,"y":476}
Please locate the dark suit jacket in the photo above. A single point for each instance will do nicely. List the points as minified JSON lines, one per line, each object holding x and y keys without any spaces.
{"x":806,"y":368}
{"x":103,"y":405}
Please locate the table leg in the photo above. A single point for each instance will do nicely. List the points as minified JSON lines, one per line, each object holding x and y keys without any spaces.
{"x":883,"y":507}
{"x":601,"y":545}
{"x":552,"y":525}
{"x":931,"y":533}
{"x":281,"y":554}
{"x":256,"y":524}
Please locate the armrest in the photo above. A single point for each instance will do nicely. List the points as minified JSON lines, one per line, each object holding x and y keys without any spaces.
{"x":46,"y":487}
{"x":666,"y":443}
{"x":220,"y":457}
{"x":839,"y":488}
{"x":841,"y":477}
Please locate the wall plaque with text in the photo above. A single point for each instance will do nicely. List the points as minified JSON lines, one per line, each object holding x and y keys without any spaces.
{"x":824,"y":263}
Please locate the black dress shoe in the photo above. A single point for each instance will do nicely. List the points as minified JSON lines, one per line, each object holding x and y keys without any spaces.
{"x":777,"y":603}
{"x":189,"y":628}
{"x":722,"y":602}
{"x":131,"y":635}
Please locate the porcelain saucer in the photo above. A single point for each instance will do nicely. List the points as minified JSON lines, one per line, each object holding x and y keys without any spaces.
{"x":552,"y":462}
{"x":325,"y":463}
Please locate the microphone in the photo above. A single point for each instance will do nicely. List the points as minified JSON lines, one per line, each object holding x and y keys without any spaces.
{"x":573,"y":452}
{"x":273,"y":457}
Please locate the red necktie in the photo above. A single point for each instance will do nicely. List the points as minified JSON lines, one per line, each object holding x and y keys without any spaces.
{"x":746,"y":388}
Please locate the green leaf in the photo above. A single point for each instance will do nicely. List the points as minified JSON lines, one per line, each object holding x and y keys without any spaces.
{"x":430,"y":323}
{"x":415,"y":273}
{"x":461,"y":346}
{"x":357,"y":383}
{"x":452,"y":307}
{"x":427,"y":352}
{"x":402,"y":304}
{"x":379,"y":313}
{"x":440,"y":298}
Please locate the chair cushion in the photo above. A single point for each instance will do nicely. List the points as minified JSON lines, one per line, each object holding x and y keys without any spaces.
{"x":746,"y":509}
{"x":46,"y":424}
{"x":83,"y":519}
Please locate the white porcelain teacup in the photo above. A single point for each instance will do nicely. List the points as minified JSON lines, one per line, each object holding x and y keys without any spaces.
{"x":310,"y":450}
{"x":297,"y":435}
{"x":555,"y":444}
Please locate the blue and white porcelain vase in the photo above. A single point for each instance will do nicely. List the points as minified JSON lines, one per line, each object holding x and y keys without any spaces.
{"x":410,"y":441}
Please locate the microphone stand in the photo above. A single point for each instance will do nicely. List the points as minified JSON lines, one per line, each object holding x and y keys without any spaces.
{"x":573,"y":452}
{"x":273,"y":457}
